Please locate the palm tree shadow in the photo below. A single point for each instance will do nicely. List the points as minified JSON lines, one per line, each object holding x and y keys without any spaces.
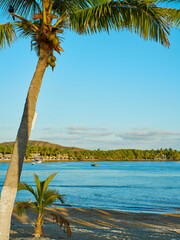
{"x":22,"y":227}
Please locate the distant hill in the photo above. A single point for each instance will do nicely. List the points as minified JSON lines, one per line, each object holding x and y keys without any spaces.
{"x":44,"y":144}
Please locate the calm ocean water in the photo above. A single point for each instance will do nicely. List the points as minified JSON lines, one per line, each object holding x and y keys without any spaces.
{"x":128,"y":186}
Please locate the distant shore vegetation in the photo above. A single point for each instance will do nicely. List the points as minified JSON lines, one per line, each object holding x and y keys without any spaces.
{"x":57,"y":153}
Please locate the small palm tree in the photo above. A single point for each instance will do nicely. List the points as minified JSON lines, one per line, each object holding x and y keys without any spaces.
{"x":44,"y":197}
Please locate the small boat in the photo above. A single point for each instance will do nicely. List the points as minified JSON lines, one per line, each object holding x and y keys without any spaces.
{"x":94,"y":164}
{"x":39,"y":161}
{"x":33,"y":163}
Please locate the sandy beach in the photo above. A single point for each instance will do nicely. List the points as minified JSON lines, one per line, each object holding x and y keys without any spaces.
{"x":91,"y":224}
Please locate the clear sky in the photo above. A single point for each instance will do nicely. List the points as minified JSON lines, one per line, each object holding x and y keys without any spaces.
{"x":108,"y":91}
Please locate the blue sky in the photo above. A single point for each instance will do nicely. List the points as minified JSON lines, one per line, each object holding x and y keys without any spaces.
{"x":107,"y":91}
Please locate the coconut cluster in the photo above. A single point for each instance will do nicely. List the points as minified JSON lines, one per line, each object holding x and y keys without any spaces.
{"x":53,"y":38}
{"x":47,"y":36}
{"x":51,"y":61}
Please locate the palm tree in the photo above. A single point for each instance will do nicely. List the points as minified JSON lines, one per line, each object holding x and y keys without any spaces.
{"x":44,"y":197}
{"x":44,"y":21}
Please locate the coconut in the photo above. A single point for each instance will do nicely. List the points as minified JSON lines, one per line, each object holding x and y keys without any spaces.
{"x":20,"y":24}
{"x":25,"y":27}
{"x":55,"y":42}
{"x":52,"y":37}
{"x":52,"y":64}
{"x":53,"y":58}
{"x":48,"y":60}
{"x":29,"y":23}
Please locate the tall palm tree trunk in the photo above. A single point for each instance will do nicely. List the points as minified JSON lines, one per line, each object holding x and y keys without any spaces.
{"x":8,"y":193}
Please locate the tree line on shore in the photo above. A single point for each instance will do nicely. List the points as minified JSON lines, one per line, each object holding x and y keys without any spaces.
{"x":120,"y":154}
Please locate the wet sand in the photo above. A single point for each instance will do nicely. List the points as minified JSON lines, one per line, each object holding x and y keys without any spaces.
{"x":92,"y":224}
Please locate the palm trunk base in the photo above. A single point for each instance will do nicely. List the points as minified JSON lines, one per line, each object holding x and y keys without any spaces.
{"x":38,"y":229}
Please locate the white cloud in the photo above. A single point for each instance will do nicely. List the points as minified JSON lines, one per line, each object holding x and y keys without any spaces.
{"x":87,"y":132}
{"x":47,"y":129}
{"x":146,"y":134}
{"x":75,"y":128}
{"x":93,"y":138}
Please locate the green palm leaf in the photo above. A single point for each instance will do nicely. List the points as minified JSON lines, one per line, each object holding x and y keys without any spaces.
{"x":47,"y":181}
{"x":23,"y":207}
{"x":23,"y":7}
{"x":168,"y":1}
{"x":143,"y":17}
{"x":91,"y":16}
{"x":24,"y":33}
{"x":174,"y":17}
{"x":38,"y":188}
{"x":173,"y":14}
{"x":72,"y":5}
{"x":51,"y":196}
{"x":42,"y":187}
{"x":7,"y":35}
{"x":24,"y":186}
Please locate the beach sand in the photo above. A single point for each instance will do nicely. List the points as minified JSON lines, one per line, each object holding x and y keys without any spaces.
{"x":91,"y":224}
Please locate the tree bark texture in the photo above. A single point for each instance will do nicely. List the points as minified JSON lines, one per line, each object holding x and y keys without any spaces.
{"x":38,"y":227}
{"x":9,"y":190}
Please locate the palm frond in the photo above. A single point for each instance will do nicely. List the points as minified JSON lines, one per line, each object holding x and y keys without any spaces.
{"x":23,"y":7}
{"x":24,"y":186}
{"x":173,"y":13}
{"x":62,"y":222}
{"x":7,"y":35}
{"x":60,"y":7}
{"x":42,"y":186}
{"x":51,"y":196}
{"x":143,"y":17}
{"x":168,"y":1}
{"x":38,"y":186}
{"x":47,"y":181}
{"x":24,"y":33}
{"x":22,"y":207}
{"x":173,"y":17}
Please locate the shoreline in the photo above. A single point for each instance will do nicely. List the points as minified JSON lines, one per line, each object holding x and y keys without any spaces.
{"x":96,"y":224}
{"x":97,"y":160}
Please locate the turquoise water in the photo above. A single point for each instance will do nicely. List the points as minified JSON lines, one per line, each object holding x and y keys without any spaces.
{"x":129,"y":186}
